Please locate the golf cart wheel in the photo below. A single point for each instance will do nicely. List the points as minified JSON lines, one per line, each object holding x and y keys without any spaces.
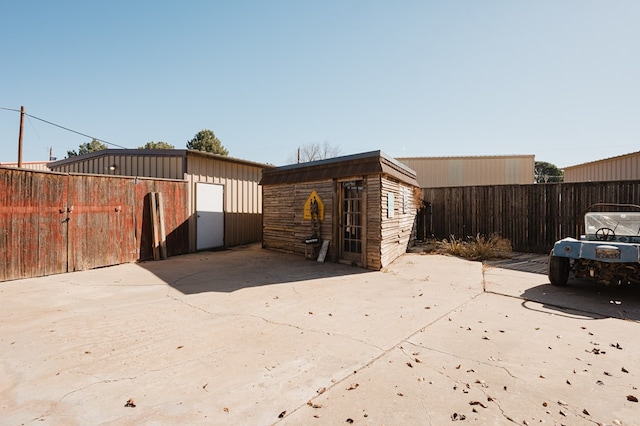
{"x":559,"y":268}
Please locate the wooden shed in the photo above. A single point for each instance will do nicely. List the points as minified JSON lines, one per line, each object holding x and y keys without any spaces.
{"x":360,"y":209}
{"x":224,"y":197}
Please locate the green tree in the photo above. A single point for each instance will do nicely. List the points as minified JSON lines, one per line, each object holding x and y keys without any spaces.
{"x":206,"y":140}
{"x":547,"y":172}
{"x":157,"y":145}
{"x":87,"y":147}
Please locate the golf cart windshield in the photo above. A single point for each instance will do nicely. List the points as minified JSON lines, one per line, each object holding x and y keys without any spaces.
{"x":622,"y":223}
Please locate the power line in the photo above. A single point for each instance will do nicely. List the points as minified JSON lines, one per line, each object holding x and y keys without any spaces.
{"x":65,"y":128}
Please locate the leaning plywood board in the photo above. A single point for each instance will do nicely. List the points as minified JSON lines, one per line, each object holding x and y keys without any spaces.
{"x":323,"y":251}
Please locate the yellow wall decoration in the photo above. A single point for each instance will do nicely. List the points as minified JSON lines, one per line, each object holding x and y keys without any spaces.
{"x":313,"y":200}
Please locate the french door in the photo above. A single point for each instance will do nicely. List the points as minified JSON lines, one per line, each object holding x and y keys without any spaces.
{"x":352,"y":224}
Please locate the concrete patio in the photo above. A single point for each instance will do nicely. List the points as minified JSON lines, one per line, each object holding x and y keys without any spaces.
{"x":249,"y":336}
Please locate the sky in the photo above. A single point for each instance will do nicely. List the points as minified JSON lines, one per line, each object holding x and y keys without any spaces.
{"x":558,"y":79}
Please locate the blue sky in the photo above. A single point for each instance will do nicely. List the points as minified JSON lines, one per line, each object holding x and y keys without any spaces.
{"x":559,"y":79}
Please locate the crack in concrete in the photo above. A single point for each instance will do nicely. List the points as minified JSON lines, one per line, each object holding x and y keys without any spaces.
{"x":382,"y":354}
{"x":63,"y":397}
{"x":464,"y":358}
{"x":310,"y":330}
{"x":295,"y":290}
{"x":468,"y":385}
{"x":577,"y":412}
{"x":184,"y":302}
{"x":499,"y":407}
{"x":464,"y":383}
{"x":176,"y":282}
{"x":126,"y":378}
{"x":426,"y":412}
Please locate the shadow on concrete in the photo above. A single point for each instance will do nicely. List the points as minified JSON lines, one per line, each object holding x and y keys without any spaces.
{"x":523,"y":262}
{"x":241,"y":267}
{"x":587,"y":298}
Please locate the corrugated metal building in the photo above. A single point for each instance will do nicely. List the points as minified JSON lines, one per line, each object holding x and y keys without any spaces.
{"x":30,"y":165}
{"x":365,"y":208}
{"x":439,"y":172}
{"x":225,"y":197}
{"x":156,"y":163}
{"x":623,"y":167}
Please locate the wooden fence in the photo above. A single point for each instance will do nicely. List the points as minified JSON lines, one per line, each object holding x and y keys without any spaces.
{"x":533,"y":217}
{"x":53,"y":223}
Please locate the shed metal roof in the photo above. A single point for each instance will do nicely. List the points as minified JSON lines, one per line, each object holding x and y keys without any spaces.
{"x":367,"y":163}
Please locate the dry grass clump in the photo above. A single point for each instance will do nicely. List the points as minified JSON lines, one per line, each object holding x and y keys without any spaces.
{"x":479,"y":247}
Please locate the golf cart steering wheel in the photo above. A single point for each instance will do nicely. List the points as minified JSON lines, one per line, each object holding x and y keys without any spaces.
{"x":605,"y":234}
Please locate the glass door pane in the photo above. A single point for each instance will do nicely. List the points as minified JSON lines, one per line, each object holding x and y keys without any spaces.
{"x":351,"y":234}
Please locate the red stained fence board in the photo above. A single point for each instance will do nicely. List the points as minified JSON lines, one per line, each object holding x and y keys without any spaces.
{"x":53,"y":223}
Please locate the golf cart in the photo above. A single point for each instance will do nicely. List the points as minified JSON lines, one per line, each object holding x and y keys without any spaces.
{"x":608,"y":252}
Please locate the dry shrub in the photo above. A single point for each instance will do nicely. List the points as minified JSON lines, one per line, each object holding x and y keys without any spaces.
{"x":479,"y":248}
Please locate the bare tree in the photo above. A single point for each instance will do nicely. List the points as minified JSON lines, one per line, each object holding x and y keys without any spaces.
{"x":315,"y":151}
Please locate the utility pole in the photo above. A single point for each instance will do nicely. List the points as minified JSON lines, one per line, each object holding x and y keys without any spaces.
{"x":298,"y":155}
{"x":20,"y":136}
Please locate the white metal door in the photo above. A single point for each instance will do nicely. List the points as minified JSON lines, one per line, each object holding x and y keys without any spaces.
{"x":210,"y":216}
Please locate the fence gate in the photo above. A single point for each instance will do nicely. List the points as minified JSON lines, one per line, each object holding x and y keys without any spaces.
{"x":53,"y":223}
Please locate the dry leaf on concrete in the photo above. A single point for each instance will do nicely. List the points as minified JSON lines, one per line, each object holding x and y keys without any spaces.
{"x":313,"y":405}
{"x":456,"y":417}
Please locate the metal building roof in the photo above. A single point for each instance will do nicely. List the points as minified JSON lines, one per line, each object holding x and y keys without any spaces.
{"x":152,"y":153}
{"x":617,"y":157}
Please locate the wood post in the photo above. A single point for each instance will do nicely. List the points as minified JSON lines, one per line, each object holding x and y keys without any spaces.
{"x":159,"y":243}
{"x":20,"y":136}
{"x":163,"y":235}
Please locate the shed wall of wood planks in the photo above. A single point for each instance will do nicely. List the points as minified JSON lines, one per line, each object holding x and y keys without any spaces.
{"x":385,"y":238}
{"x":397,"y":231}
{"x":284,"y":226}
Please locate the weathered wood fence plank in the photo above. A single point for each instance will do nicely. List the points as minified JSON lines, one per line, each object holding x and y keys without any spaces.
{"x":533,"y":217}
{"x":52,"y":223}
